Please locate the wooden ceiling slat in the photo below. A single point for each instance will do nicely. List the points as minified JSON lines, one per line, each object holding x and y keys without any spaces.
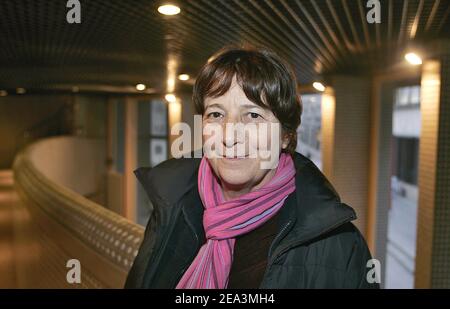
{"x":444,"y":19}
{"x":348,"y":44}
{"x":432,"y":14}
{"x":352,"y":25}
{"x":415,"y":25}
{"x":325,"y":22}
{"x":327,"y":46}
{"x":313,"y":51}
{"x":402,"y":30}
{"x":364,"y":24}
{"x":276,"y":36}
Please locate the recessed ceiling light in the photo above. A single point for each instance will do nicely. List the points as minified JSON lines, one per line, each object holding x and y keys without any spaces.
{"x":183,"y":77}
{"x":413,"y":58}
{"x":20,"y":90}
{"x":170,"y":97}
{"x":140,"y":87}
{"x":319,"y":86}
{"x":169,"y":9}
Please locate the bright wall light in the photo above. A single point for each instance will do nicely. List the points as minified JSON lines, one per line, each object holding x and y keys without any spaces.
{"x":413,"y":58}
{"x":3,"y":93}
{"x":171,"y":97}
{"x":318,"y":86}
{"x":169,"y":9}
{"x":140,"y":87}
{"x":183,"y":77}
{"x":20,"y":90}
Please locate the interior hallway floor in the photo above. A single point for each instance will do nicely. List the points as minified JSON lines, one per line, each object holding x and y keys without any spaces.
{"x":8,"y":198}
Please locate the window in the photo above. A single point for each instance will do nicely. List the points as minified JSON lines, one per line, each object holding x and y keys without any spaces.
{"x":407,"y":159}
{"x":158,"y":132}
{"x":310,"y":128}
{"x":407,"y":96}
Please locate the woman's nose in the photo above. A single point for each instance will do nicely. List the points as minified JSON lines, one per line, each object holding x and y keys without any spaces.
{"x":233,"y":134}
{"x":229,"y":139}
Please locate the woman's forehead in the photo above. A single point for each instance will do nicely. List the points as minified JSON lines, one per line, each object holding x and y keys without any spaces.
{"x":235,"y":96}
{"x":227,"y":104}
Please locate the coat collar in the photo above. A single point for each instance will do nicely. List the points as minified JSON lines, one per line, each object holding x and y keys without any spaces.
{"x":313,"y":209}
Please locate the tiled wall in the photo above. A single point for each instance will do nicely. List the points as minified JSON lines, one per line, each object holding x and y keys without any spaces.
{"x":433,"y":243}
{"x":350,"y":143}
{"x":382,"y":170}
{"x":441,"y":243}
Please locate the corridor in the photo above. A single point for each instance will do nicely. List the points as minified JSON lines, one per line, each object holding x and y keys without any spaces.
{"x":93,"y":91}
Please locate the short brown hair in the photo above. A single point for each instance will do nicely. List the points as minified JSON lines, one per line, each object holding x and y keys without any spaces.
{"x":263,"y":76}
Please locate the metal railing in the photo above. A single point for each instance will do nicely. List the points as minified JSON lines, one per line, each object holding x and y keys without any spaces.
{"x":57,"y":224}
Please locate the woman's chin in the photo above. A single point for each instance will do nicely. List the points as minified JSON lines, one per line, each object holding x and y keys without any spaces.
{"x":237,"y":173}
{"x":234,"y":178}
{"x":235,"y":163}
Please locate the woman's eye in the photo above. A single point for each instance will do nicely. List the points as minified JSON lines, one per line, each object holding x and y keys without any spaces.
{"x":214,"y":115}
{"x":254,"y":115}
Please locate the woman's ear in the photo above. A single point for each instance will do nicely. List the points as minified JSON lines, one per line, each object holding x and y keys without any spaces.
{"x":285,"y":141}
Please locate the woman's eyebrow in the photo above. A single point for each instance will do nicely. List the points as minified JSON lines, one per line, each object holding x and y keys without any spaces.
{"x":246,"y":106}
{"x":250,"y":105}
{"x":213,"y":105}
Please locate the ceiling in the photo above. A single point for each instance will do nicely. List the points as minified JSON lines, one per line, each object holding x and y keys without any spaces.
{"x":121,"y":43}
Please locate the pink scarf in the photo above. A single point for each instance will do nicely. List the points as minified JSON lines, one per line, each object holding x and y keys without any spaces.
{"x":224,"y":220}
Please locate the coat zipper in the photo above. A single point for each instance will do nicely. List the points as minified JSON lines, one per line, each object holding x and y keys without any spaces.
{"x":279,"y":235}
{"x":299,"y":242}
{"x":271,"y":247}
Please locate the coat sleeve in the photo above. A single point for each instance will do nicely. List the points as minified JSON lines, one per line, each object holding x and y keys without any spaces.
{"x":359,"y":275}
{"x":135,"y":278}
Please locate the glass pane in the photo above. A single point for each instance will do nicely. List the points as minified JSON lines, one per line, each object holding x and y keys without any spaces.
{"x":158,"y":151}
{"x":158,"y":123}
{"x":308,"y":134}
{"x":402,"y":97}
{"x":415,"y":95}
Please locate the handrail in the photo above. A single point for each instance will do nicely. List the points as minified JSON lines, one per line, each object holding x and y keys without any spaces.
{"x":105,"y":238}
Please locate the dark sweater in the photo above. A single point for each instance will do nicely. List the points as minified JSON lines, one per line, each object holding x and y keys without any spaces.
{"x":250,"y":256}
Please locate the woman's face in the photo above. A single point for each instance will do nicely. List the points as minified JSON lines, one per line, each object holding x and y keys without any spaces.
{"x":240,"y":156}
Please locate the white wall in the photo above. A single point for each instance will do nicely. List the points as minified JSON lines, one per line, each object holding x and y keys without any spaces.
{"x":73,"y":162}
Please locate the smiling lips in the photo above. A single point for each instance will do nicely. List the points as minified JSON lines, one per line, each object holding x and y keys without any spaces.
{"x":236,"y":158}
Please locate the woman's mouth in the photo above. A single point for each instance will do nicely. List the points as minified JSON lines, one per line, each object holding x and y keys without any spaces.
{"x":236,"y":158}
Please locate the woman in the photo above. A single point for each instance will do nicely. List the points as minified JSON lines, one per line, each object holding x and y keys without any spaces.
{"x":224,"y":221}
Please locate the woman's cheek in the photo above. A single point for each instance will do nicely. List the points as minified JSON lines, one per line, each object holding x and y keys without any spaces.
{"x":269,"y":146}
{"x":253,"y":145}
{"x":212,"y":140}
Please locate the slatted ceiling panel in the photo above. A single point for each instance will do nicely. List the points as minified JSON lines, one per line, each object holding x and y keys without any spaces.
{"x":413,"y":16}
{"x":246,"y":21}
{"x":422,"y":14}
{"x":208,"y":30}
{"x":441,"y":21}
{"x":315,"y":43}
{"x":124,"y":42}
{"x":101,"y":45}
{"x":445,"y":21}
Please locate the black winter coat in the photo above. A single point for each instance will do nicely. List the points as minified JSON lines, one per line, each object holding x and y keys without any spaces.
{"x":316,"y":246}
